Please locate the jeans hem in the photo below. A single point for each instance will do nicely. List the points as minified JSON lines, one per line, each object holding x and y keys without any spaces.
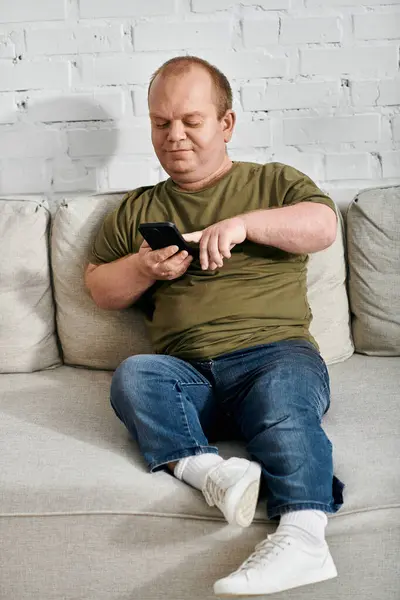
{"x":156,"y":465}
{"x":286,"y":508}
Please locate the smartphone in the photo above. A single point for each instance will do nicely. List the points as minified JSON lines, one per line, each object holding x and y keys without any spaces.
{"x":161,"y":235}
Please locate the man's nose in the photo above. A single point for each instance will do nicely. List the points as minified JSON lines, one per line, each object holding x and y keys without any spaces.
{"x":176,"y":131}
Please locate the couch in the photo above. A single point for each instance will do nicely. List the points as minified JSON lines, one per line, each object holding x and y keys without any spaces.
{"x":80,"y":516}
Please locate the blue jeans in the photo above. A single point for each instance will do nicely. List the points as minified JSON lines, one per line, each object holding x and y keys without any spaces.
{"x":272,"y":397}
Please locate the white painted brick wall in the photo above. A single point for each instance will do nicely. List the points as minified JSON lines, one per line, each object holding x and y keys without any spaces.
{"x":384,"y":92}
{"x":391,"y":164}
{"x":316,"y":85}
{"x":214,"y":5}
{"x":127,"y":174}
{"x":20,"y":11}
{"x":396,"y":128}
{"x":107,"y":142}
{"x":29,"y":176}
{"x":194,"y":35}
{"x":7,"y":109}
{"x":350,"y":166}
{"x":249,"y":64}
{"x":34,"y":74}
{"x":11,"y":43}
{"x":75,"y":40}
{"x":279,"y":95}
{"x":29,"y":143}
{"x":119,"y":69}
{"x":256,"y":134}
{"x":297,"y":30}
{"x":332,"y":130}
{"x":260,"y":31}
{"x":352,"y":3}
{"x":100,"y":105}
{"x":139,"y":99}
{"x":96,"y":9}
{"x":377,"y":27}
{"x":365,"y":60}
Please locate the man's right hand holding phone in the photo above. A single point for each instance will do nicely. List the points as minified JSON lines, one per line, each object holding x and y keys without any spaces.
{"x":165,"y":264}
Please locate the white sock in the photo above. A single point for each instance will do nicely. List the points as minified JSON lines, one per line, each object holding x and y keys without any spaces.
{"x":193,"y":469}
{"x":306,"y":524}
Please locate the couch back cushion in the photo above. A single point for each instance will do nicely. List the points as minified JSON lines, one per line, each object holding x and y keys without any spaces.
{"x":373,"y":229}
{"x":90,"y":336}
{"x":27,"y":314}
{"x":101,"y":339}
{"x":327,"y":296}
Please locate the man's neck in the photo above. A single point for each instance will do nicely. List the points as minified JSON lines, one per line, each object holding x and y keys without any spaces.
{"x":195,"y":186}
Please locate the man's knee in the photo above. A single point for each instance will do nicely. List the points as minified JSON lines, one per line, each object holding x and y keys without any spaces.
{"x":275,"y":411}
{"x":140,"y":367}
{"x":130,"y":376}
{"x":294,"y":388}
{"x":144,"y":376}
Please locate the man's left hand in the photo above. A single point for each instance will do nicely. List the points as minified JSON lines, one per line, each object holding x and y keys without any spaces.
{"x":217,"y":241}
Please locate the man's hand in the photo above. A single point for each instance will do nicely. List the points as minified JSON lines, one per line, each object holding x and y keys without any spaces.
{"x":217,"y":241}
{"x":164,"y":264}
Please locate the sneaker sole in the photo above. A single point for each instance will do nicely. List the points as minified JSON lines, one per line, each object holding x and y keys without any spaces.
{"x":246,"y":507}
{"x":247,"y":594}
{"x":318,"y":577}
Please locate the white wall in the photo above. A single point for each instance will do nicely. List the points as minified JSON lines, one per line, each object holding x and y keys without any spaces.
{"x":316,"y":84}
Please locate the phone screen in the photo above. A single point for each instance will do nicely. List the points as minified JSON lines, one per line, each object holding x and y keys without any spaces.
{"x":161,"y":235}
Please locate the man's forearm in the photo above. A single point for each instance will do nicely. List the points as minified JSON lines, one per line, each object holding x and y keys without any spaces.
{"x":303,"y":228}
{"x":118,"y":284}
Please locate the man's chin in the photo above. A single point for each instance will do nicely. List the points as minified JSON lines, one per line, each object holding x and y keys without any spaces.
{"x":180,"y":167}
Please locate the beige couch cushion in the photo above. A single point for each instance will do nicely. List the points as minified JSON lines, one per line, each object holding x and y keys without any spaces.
{"x":327,"y":296}
{"x":81,"y":518}
{"x":102,"y":339}
{"x":27,"y":324}
{"x":79,"y":458}
{"x":373,"y":229}
{"x":90,"y":336}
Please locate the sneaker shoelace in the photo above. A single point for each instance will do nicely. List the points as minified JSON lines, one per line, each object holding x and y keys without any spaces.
{"x":265,"y":550}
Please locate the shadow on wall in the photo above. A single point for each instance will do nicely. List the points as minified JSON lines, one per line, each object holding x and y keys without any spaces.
{"x":50,"y":146}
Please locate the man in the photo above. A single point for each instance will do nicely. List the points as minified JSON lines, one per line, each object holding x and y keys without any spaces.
{"x":234,"y":355}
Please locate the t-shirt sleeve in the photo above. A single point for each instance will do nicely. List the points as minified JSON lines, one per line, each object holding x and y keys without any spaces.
{"x":294,"y":187}
{"x":116,"y":235}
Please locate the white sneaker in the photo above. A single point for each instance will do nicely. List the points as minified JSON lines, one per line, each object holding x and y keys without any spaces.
{"x":233,"y":486}
{"x":280,"y":562}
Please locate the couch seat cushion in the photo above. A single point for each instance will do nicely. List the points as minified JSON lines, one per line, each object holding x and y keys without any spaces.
{"x":62,"y":449}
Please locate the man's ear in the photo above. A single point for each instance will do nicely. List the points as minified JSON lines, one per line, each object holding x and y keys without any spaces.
{"x":228,"y":123}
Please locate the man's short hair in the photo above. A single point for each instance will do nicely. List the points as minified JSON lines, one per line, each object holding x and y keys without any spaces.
{"x":182,"y":64}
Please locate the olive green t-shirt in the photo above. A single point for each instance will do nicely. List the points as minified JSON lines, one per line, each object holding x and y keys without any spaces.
{"x":258,"y":296}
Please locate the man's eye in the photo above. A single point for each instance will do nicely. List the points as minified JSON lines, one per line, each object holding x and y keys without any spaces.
{"x":161,"y":125}
{"x":193,"y":123}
